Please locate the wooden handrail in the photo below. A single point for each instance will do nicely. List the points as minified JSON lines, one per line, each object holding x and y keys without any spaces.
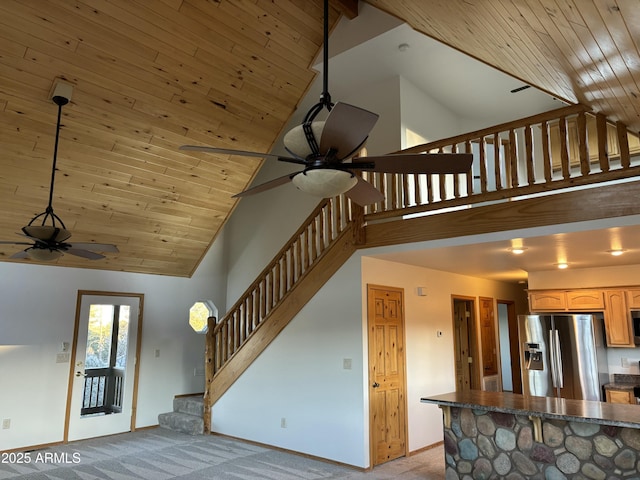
{"x":503,"y":127}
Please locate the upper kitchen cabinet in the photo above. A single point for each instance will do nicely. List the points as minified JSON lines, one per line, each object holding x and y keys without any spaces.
{"x":547,"y":301}
{"x":633,"y":298}
{"x":566,"y":300}
{"x":585,"y":300}
{"x":617,"y":320}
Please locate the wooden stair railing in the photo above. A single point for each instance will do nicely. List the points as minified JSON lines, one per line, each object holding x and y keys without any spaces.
{"x":333,"y":225}
{"x":547,"y":152}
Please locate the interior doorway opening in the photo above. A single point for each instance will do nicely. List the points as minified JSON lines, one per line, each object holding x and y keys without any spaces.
{"x":509,"y":351}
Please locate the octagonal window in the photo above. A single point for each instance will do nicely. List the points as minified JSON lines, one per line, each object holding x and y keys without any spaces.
{"x":199,"y":313}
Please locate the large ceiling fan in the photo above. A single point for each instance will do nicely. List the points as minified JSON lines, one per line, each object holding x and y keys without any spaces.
{"x":326,"y":150}
{"x":47,"y":242}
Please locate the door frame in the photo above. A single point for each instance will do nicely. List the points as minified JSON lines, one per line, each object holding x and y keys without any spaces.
{"x":136,"y":367}
{"x":370,"y":356}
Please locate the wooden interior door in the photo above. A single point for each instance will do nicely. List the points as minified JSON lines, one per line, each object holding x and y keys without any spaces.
{"x":488,"y":338}
{"x":463,"y":338}
{"x":387,"y":399}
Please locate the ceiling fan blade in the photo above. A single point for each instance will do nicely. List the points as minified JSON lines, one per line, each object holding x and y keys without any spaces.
{"x":15,"y":243}
{"x":346,"y":129}
{"x":243,"y":153}
{"x":363,"y":193}
{"x":98,"y":247}
{"x":419,"y":163}
{"x":276,"y":182}
{"x":20,"y":254}
{"x":78,"y":252}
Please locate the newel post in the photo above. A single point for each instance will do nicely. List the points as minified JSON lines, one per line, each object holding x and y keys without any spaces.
{"x":357,"y":212}
{"x":209,"y":370}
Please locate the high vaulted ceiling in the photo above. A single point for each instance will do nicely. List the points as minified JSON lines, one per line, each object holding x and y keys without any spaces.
{"x":151,"y":76}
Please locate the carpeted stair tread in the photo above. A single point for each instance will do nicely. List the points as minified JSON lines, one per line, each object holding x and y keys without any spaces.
{"x":182,"y":422}
{"x":192,"y":405}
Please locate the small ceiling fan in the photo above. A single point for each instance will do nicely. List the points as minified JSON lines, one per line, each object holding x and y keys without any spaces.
{"x":329,"y":163}
{"x":48,"y":242}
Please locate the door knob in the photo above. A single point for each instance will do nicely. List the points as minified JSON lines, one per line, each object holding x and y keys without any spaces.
{"x":81,"y":374}
{"x":375,"y":385}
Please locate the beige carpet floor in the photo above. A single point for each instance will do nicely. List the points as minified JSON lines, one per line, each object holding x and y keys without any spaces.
{"x":159,"y":454}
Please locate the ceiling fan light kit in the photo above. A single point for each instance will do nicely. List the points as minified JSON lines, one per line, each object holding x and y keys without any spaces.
{"x":295,"y":140}
{"x":47,"y":241}
{"x":325,"y":183}
{"x":43,"y":254}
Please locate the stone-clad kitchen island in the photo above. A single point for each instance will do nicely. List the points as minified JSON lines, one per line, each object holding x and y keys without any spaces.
{"x":510,"y":436}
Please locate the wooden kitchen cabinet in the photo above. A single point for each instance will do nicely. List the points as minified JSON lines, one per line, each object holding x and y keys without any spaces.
{"x":617,"y":320}
{"x":633,"y":298}
{"x":620,"y":396}
{"x":547,"y":301}
{"x":566,"y":300}
{"x":585,"y":300}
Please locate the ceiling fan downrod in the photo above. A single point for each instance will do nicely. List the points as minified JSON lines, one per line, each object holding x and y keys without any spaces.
{"x":49,"y":213}
{"x":325,"y":96}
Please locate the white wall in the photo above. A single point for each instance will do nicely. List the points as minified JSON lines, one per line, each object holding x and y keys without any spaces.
{"x":300,"y":377}
{"x":37,"y":314}
{"x":424,"y":115}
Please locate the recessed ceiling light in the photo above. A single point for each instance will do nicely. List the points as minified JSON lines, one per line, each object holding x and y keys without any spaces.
{"x":616,"y":252}
{"x":562,"y":265}
{"x":403,"y":47}
{"x":517,"y":250}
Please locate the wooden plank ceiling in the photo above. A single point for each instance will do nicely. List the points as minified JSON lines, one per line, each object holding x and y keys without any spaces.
{"x":152,"y":75}
{"x":581,"y":51}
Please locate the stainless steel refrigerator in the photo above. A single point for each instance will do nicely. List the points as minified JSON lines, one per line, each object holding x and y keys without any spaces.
{"x":563,"y":356}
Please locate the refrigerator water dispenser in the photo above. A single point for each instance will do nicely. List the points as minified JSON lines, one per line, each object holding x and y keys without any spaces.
{"x":533,"y":357}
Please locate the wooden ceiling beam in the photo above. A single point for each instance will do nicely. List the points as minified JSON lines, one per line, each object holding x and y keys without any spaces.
{"x":348,"y":7}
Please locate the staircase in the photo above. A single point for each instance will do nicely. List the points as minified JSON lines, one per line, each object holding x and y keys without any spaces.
{"x":543,"y":154}
{"x":186,"y":416}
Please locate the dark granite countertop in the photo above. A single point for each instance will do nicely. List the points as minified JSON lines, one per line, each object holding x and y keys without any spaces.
{"x":617,"y":414}
{"x":623,"y":381}
{"x":619,"y":386}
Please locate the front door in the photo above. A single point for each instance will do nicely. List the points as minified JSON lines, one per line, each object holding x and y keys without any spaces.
{"x":385,"y":314}
{"x":102,"y":381}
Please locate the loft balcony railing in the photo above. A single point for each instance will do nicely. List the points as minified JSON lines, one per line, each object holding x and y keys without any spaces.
{"x":545,"y":153}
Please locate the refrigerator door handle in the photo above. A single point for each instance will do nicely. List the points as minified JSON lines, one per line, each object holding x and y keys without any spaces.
{"x":552,"y":359}
{"x":558,"y":355}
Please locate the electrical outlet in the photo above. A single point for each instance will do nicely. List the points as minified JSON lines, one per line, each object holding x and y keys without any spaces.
{"x":625,"y":362}
{"x":346,"y":363}
{"x":283,"y":422}
{"x":6,"y":423}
